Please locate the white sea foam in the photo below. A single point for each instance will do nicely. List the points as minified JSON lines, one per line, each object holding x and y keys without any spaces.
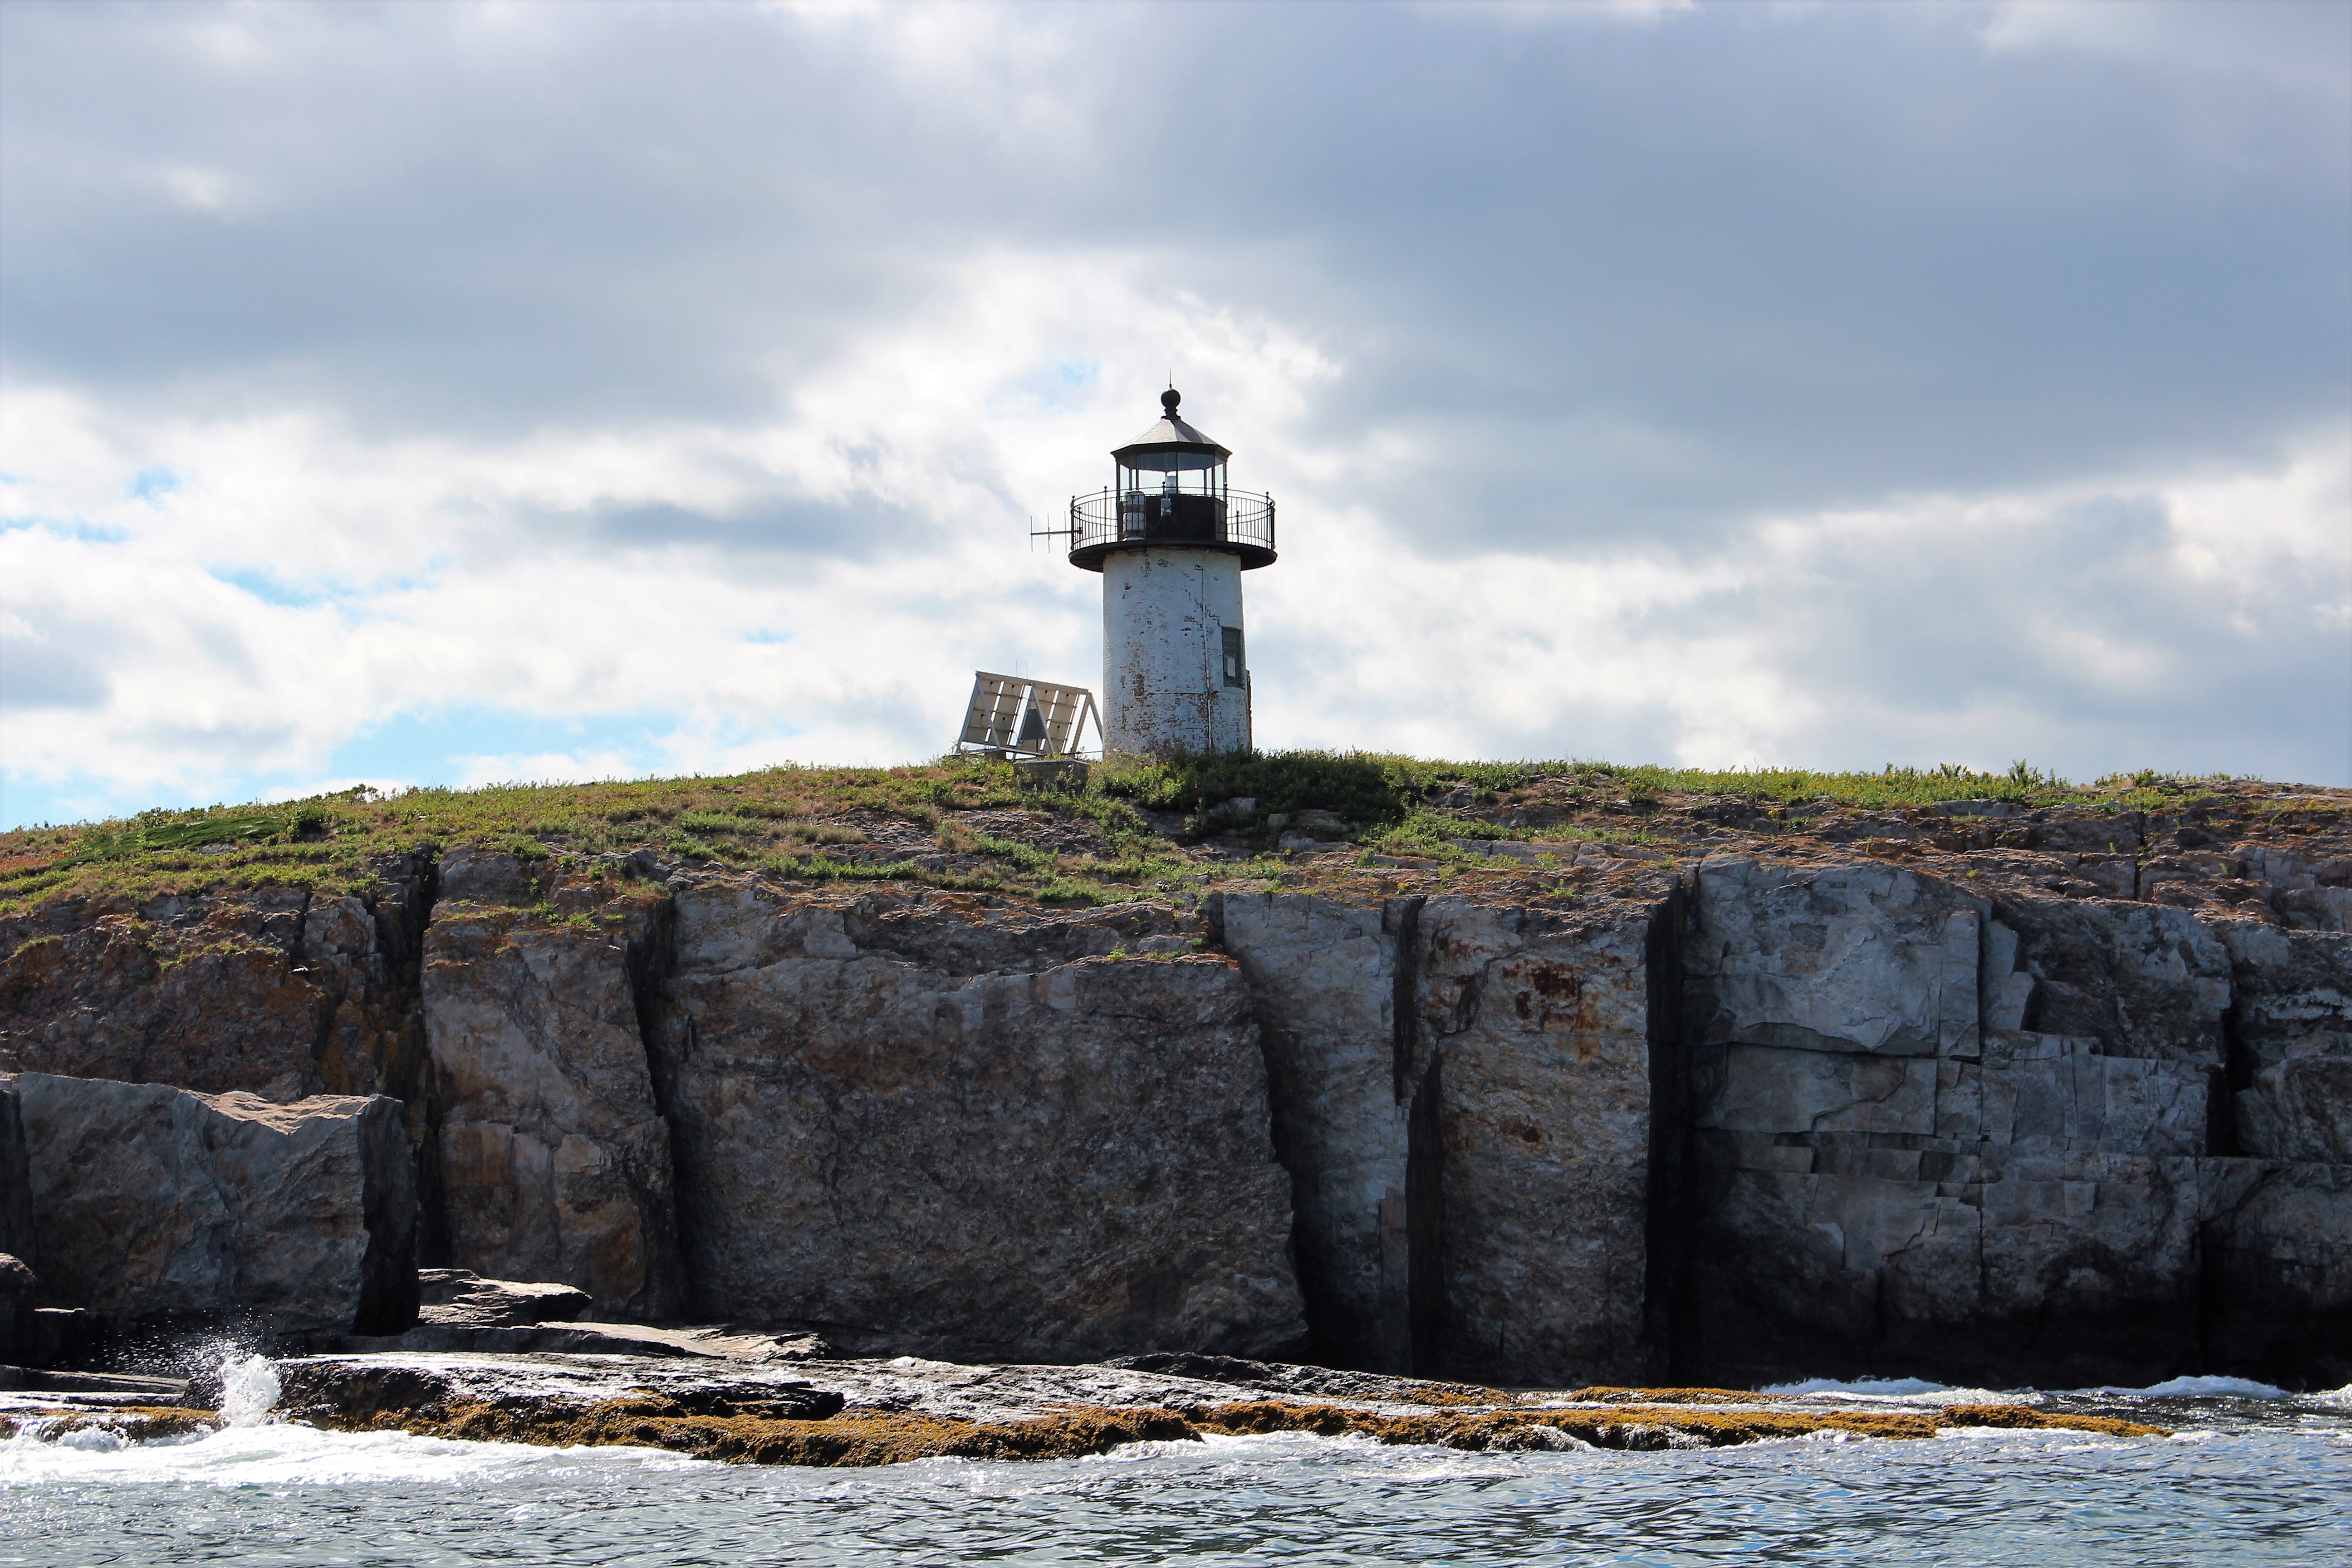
{"x":91,"y":1440}
{"x":1897,"y":1391}
{"x":249,"y":1388}
{"x":1919,"y":1391}
{"x":2191,"y":1387}
{"x":281,"y":1454}
{"x":1895,"y":1386}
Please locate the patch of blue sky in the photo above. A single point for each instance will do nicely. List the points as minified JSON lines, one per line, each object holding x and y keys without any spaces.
{"x":149,"y":483}
{"x":1052,"y":388}
{"x":439,"y":748}
{"x":447,"y":748}
{"x":269,"y":590}
{"x":30,"y":802}
{"x":768,"y":635}
{"x":427,"y":576}
{"x":65,"y":527}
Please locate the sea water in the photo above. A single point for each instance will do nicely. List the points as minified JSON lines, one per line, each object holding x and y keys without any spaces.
{"x":2252,"y":1477}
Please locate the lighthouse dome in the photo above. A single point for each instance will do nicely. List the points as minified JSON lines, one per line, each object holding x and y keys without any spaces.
{"x":1171,"y":489}
{"x":1170,"y":437}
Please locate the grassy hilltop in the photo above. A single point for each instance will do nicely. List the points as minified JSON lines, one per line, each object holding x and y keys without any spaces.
{"x":1128,"y":825}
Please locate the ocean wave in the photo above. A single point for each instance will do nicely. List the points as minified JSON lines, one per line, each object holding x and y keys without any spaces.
{"x":281,"y":1454}
{"x":1897,"y":1391}
{"x":1921,"y":1391}
{"x":2197,"y":1387}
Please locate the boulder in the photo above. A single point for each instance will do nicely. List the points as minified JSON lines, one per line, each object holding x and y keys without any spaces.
{"x":926,"y":1118}
{"x":18,"y":1286}
{"x":156,"y":1206}
{"x":458,"y":1298}
{"x":554,"y":1162}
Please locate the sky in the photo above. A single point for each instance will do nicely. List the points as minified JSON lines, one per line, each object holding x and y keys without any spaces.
{"x":459,"y":393}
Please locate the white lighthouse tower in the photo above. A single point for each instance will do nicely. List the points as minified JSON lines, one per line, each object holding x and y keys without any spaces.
{"x":1172,"y":540}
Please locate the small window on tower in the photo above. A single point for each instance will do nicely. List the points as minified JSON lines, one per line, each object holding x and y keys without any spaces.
{"x":1236,"y":673}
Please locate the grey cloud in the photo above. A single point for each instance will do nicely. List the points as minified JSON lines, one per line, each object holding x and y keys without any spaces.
{"x":1816,"y":258}
{"x":857,"y":530}
{"x":49,"y":672}
{"x":1624,"y":287}
{"x":2082,"y":639}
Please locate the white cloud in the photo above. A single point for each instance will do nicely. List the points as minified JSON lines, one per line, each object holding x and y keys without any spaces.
{"x":1973,"y":629}
{"x":2087,"y":627}
{"x":1803,"y":385}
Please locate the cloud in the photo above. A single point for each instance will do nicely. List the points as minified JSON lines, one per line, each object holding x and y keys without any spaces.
{"x":2296,"y":45}
{"x":48,"y":670}
{"x":646,"y":388}
{"x":2089,"y":628}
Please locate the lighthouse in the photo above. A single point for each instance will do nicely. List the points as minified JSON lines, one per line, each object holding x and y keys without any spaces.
{"x":1171,"y":540}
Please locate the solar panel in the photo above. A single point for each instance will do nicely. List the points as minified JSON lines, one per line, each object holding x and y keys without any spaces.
{"x":1023,"y":718}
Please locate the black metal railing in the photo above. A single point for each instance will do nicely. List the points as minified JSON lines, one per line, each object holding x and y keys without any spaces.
{"x":1238,"y":519}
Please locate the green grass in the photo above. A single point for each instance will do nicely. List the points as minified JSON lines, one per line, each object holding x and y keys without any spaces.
{"x":1383,"y":789}
{"x":1023,"y":856}
{"x":774,"y":819}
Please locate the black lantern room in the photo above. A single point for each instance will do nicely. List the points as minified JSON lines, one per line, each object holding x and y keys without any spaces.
{"x":1171,"y":490}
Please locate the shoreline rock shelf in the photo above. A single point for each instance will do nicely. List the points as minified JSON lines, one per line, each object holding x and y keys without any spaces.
{"x":1989,"y":1098}
{"x":877,"y":1413}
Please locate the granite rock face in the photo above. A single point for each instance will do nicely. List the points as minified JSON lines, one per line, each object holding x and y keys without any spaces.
{"x":1865,"y":959}
{"x":15,"y":1178}
{"x":2061,"y":1096}
{"x":154,"y":1205}
{"x":947,"y":1122}
{"x":19,"y":1299}
{"x":1462,"y":1097}
{"x":2290,"y":1031}
{"x":1324,"y":978}
{"x":2278,"y":1259}
{"x":1534,"y":1029}
{"x":2038,"y":1186}
{"x":276,"y":992}
{"x":554,"y":1159}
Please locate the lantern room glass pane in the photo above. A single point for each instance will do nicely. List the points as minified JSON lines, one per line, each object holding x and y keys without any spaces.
{"x":1146,"y":476}
{"x":1185,"y":462}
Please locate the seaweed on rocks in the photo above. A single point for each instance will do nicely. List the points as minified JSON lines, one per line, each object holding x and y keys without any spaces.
{"x":997,"y":1414}
{"x":863,"y":1436}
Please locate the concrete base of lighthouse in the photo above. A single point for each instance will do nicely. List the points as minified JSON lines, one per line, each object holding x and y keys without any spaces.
{"x":1168,"y":684}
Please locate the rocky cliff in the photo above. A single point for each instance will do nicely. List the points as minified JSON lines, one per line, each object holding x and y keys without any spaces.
{"x":2001,"y":1095}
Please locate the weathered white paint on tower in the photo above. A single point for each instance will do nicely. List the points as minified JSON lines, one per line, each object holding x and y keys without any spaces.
{"x":1168,"y":684}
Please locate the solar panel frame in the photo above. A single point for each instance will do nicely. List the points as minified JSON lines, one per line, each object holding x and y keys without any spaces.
{"x":993,"y":718}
